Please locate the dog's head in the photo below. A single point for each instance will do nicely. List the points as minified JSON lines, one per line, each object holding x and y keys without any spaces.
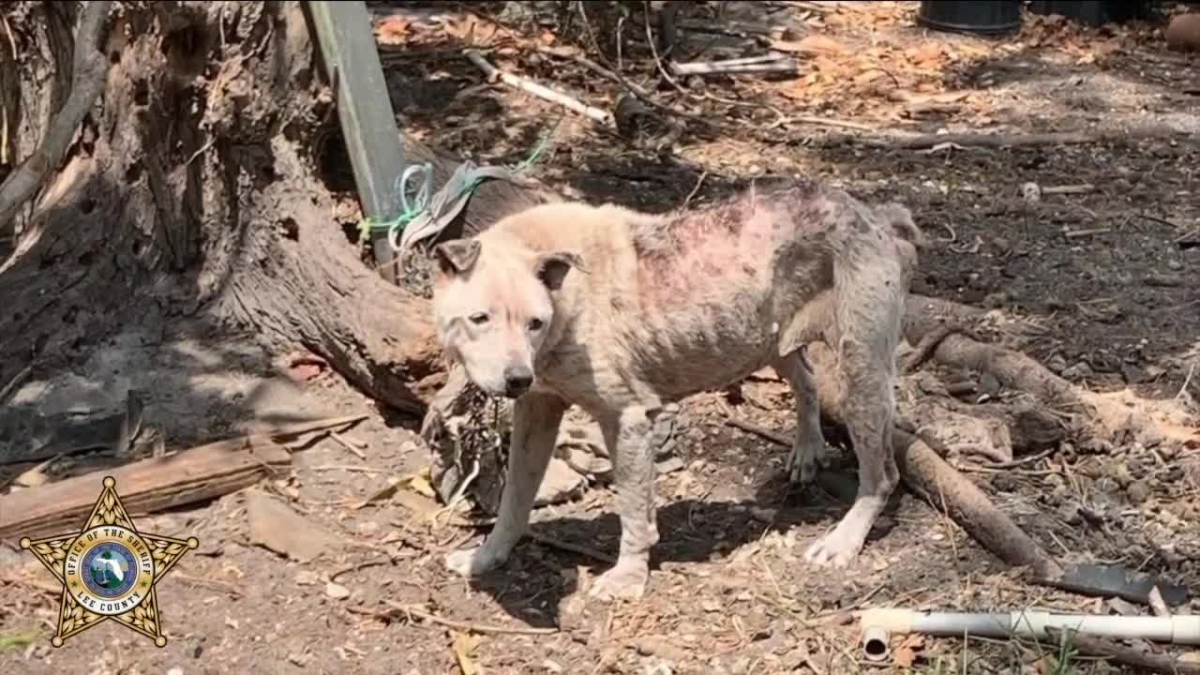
{"x":494,"y":307}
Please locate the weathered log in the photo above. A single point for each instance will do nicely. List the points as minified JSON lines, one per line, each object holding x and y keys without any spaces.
{"x":186,"y":477}
{"x":150,"y":485}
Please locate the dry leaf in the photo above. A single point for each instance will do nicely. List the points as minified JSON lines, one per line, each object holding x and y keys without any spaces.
{"x":464,"y":648}
{"x":906,"y":654}
{"x":392,"y":31}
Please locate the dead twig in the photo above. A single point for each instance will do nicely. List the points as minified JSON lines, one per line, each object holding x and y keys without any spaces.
{"x":410,"y":612}
{"x":1187,"y":382}
{"x":1080,"y":234}
{"x":15,"y":382}
{"x":530,"y":87}
{"x":638,"y":91}
{"x":927,"y":141}
{"x":90,"y":70}
{"x":1068,"y":189}
{"x":572,"y":548}
{"x":759,"y":431}
{"x":827,"y":122}
{"x":753,"y":64}
{"x":686,"y":202}
{"x":354,"y":448}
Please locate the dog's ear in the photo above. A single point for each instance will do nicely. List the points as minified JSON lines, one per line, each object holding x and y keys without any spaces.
{"x":457,"y":256}
{"x":552,"y":268}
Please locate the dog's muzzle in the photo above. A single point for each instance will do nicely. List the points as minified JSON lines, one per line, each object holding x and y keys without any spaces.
{"x":517,"y":381}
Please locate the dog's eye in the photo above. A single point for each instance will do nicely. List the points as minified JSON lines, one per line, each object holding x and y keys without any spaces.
{"x":478,"y":318}
{"x":535,"y":325}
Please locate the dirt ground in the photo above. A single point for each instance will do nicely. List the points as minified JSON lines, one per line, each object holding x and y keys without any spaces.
{"x":1101,"y":278}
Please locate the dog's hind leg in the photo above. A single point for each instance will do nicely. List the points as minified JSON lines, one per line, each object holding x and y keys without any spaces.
{"x":868,"y":329}
{"x":536,"y":418}
{"x":627,"y":437}
{"x":808,"y":447}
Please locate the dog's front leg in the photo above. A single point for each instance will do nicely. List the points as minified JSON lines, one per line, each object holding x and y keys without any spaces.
{"x":536,"y":418}
{"x":627,"y":437}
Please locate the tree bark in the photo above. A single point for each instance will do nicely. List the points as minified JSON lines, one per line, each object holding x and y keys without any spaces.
{"x":192,"y":196}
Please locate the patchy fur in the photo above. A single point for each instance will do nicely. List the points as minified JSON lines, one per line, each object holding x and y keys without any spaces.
{"x":643,"y":310}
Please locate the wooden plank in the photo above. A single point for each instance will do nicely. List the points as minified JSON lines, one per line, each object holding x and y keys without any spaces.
{"x":351,"y":58}
{"x":150,"y":485}
{"x":182,"y":478}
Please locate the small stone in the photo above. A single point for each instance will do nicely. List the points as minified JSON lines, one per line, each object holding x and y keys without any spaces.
{"x":1139,"y":492}
{"x":192,"y":647}
{"x":336,"y":591}
{"x":1031,"y":193}
{"x":1057,"y":364}
{"x":307,"y":578}
{"x":1079,"y":371}
{"x":176,"y":670}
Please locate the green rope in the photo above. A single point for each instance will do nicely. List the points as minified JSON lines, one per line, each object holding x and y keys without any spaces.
{"x":410,"y":211}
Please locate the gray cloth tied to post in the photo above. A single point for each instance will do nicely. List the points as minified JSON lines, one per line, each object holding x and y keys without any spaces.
{"x":435,"y":216}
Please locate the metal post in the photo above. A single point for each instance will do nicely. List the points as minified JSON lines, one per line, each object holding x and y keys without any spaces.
{"x":347,"y":43}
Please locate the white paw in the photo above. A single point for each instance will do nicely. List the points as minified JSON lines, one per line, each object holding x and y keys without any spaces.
{"x":836,"y":549}
{"x":473,"y":561}
{"x":623,"y":581}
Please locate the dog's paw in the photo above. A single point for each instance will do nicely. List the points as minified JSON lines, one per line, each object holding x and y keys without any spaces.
{"x":802,"y":468}
{"x":626,"y":580}
{"x":473,"y":561}
{"x":808,"y":457}
{"x":835,"y":549}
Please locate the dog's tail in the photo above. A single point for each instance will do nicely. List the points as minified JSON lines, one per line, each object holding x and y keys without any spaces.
{"x":901,"y":221}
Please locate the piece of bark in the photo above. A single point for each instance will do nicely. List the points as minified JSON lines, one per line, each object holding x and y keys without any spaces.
{"x":187,"y":477}
{"x":275,"y":526}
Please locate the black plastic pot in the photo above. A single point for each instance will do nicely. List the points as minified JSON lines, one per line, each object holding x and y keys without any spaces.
{"x":1093,"y":12}
{"x":978,"y":17}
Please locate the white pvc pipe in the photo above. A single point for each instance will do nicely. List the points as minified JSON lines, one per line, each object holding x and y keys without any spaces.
{"x":877,"y":623}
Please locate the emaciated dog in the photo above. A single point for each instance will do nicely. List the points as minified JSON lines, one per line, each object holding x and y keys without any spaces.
{"x":620,"y":312}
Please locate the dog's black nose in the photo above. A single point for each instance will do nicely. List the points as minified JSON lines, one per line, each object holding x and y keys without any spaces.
{"x":517,"y":381}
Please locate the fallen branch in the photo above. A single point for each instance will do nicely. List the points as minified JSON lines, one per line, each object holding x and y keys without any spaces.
{"x":935,"y":481}
{"x":1113,"y":651}
{"x":89,"y":75}
{"x":543,"y":92}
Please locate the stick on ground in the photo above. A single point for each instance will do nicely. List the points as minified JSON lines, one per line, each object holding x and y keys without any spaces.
{"x":543,"y":92}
